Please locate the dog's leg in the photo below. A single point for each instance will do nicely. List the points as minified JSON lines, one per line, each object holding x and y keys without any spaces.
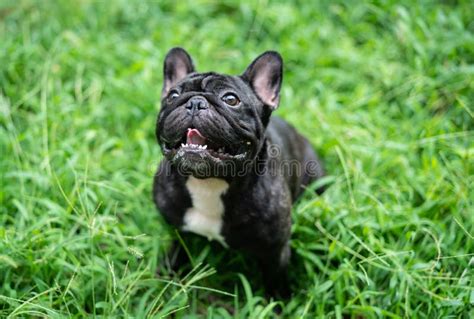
{"x":274,"y":267}
{"x":175,"y":259}
{"x":177,"y":256}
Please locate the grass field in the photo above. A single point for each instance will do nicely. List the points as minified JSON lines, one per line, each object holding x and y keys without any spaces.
{"x":384,"y":92}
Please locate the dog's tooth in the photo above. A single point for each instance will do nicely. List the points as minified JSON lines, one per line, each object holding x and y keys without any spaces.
{"x":204,"y":147}
{"x":182,"y":145}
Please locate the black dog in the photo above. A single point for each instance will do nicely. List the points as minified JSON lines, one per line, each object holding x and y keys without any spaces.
{"x":230,"y":172}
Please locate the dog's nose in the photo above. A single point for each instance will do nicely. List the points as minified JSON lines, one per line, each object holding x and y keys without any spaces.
{"x":196,"y":103}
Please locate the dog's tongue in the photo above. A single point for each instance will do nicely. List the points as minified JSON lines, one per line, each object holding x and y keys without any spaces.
{"x":194,"y":137}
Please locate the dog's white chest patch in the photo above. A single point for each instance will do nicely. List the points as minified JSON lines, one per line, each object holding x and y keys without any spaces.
{"x":205,"y":217}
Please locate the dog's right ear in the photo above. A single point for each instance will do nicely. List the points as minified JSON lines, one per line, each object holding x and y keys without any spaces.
{"x":178,"y":64}
{"x":265,"y":75}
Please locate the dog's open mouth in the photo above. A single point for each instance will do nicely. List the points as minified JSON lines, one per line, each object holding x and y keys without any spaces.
{"x":195,"y":144}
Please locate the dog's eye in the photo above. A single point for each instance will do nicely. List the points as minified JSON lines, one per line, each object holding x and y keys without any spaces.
{"x":231,"y":99}
{"x":173,"y":94}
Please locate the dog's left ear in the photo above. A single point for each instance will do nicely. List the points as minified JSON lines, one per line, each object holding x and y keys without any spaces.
{"x":178,"y":64}
{"x":264,"y":75}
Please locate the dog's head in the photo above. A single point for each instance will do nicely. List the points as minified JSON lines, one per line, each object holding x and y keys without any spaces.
{"x":210,"y":124}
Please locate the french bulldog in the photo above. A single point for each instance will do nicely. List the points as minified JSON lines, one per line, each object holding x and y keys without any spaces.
{"x":231,"y":172}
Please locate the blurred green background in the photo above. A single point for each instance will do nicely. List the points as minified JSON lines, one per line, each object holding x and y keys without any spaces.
{"x":384,"y":90}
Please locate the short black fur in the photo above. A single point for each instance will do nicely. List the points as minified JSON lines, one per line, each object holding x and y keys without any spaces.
{"x":257,"y":204}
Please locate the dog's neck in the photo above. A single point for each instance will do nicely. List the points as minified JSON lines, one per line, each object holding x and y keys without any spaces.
{"x":205,"y":216}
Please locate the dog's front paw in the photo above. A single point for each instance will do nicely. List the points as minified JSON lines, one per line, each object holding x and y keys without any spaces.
{"x":175,"y":261}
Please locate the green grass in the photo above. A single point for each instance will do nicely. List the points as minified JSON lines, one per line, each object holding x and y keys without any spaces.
{"x":384,"y":92}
